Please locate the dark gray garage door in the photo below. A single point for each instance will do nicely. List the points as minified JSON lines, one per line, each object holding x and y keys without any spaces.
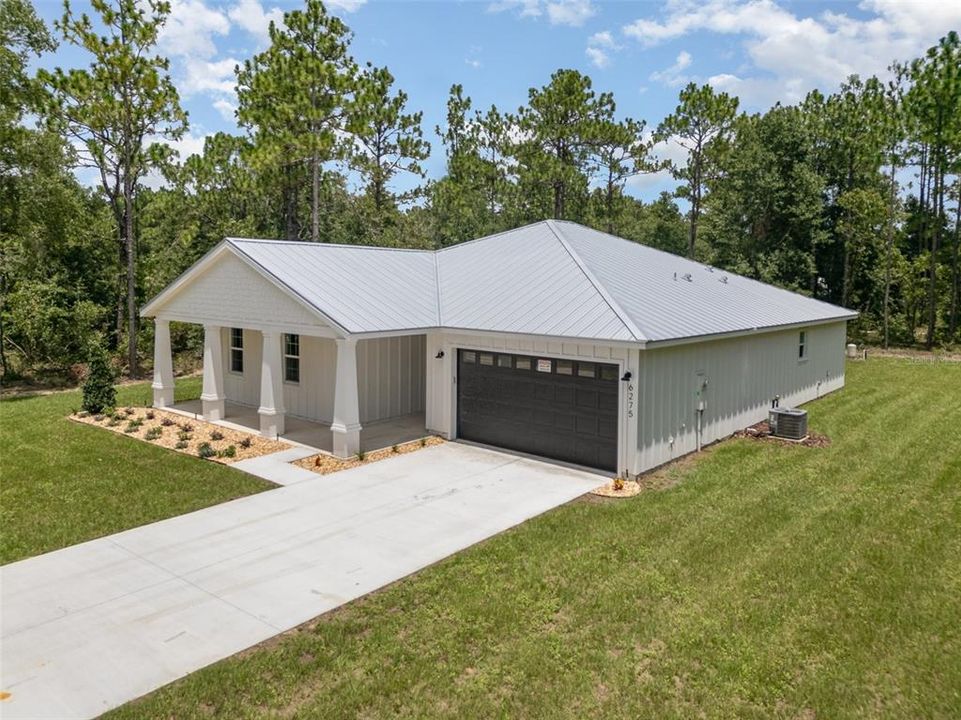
{"x":562,"y":409}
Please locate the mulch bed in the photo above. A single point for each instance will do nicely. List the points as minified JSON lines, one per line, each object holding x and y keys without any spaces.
{"x":323,"y":464}
{"x":630,"y":488}
{"x":762,"y":431}
{"x":173,"y":429}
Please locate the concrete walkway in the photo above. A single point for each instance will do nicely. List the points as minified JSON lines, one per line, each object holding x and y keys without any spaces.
{"x":92,"y":626}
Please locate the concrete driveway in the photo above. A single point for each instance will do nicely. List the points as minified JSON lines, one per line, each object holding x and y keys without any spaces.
{"x":92,"y":626}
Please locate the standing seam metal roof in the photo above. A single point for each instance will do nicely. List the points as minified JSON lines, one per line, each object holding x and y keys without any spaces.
{"x":552,"y":278}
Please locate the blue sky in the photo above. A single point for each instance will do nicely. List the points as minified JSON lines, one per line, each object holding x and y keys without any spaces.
{"x":761,"y":50}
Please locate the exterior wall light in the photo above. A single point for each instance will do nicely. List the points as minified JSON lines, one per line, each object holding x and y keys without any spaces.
{"x":439,"y":355}
{"x":627,"y":376}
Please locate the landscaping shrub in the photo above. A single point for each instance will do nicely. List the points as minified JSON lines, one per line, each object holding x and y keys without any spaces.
{"x":204,"y":450}
{"x":153,"y":433}
{"x":186,"y":427}
{"x":150,"y":415}
{"x":228,"y":452}
{"x":133,"y":425}
{"x":98,"y":390}
{"x":181,"y":445}
{"x":216,"y":435}
{"x":246,"y":443}
{"x":167,"y":422}
{"x":183,"y":436}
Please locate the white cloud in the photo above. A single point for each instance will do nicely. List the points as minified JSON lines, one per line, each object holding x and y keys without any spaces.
{"x":797,"y":53}
{"x":251,"y":16}
{"x":599,"y":47}
{"x":216,"y":76}
{"x":598,"y":57}
{"x":674,"y":76}
{"x":570,"y":12}
{"x":603,"y":39}
{"x":473,"y":62}
{"x":345,"y":5}
{"x":559,"y":12}
{"x":190,"y":28}
{"x":226,"y":109}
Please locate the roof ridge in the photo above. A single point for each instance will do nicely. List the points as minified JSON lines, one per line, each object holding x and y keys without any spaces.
{"x":602,"y":291}
{"x":310,"y":243}
{"x":488,"y":237}
{"x":439,"y":306}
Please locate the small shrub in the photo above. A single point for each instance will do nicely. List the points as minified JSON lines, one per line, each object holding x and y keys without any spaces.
{"x":150,"y":415}
{"x":183,"y":436}
{"x":423,"y":442}
{"x":98,"y":390}
{"x":113,"y":422}
{"x":618,"y":483}
{"x":181,"y":445}
{"x":153,"y":433}
{"x":394,"y":448}
{"x":246,"y":443}
{"x":228,"y":452}
{"x":129,"y":411}
{"x":361,"y":456}
{"x":99,"y":417}
{"x":186,"y":427}
{"x":167,"y":422}
{"x":133,"y":425}
{"x":216,"y":435}
{"x":204,"y":450}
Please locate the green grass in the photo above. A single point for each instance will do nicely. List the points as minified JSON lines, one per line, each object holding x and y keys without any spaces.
{"x":772,"y":581}
{"x":62,"y":482}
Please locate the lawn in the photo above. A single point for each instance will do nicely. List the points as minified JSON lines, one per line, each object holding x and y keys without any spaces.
{"x":63,"y":482}
{"x":770,"y":581}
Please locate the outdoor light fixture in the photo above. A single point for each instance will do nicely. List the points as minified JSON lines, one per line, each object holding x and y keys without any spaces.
{"x":439,"y":355}
{"x":627,"y":376}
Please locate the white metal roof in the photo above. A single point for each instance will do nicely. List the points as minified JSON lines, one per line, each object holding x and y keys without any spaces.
{"x":552,"y":278}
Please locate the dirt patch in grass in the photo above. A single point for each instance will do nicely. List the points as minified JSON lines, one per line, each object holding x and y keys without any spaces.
{"x":324,"y":464}
{"x":186,"y":435}
{"x":762,"y":431}
{"x":628,"y":488}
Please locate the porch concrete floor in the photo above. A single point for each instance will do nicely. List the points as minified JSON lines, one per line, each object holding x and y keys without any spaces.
{"x":374,"y":436}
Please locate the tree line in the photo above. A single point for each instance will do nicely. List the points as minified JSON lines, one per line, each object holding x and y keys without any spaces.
{"x":853,"y":198}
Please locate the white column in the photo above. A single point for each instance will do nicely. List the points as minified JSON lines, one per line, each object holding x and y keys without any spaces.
{"x":212,"y":396}
{"x":346,"y":424}
{"x":163,"y":369}
{"x":271,"y":408}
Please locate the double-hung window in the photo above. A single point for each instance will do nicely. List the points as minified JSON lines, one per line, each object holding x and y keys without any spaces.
{"x":291,"y":358}
{"x":802,"y":346}
{"x":237,"y":350}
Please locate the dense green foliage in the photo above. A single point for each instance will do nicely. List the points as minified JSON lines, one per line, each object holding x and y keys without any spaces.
{"x":99,"y":393}
{"x":853,"y":198}
{"x":771,"y":581}
{"x":65,"y":482}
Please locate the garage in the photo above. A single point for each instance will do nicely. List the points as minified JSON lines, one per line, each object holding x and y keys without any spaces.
{"x":556,"y":408}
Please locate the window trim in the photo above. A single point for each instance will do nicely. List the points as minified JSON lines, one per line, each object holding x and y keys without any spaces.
{"x":236,"y":349}
{"x":290,"y":356}
{"x":802,"y":346}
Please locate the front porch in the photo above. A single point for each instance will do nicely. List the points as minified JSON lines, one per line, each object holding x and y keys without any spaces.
{"x":373,"y":436}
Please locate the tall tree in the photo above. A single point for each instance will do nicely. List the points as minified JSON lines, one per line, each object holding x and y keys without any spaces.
{"x":935,"y":103}
{"x":293,"y":99}
{"x":555,"y":129}
{"x":115,"y":110}
{"x":619,"y":153}
{"x":388,"y":140}
{"x":701,"y":124}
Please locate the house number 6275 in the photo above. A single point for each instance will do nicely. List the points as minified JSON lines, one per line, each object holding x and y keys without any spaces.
{"x":630,"y":400}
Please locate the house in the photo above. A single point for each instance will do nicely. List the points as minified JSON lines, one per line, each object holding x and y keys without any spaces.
{"x":551,"y":339}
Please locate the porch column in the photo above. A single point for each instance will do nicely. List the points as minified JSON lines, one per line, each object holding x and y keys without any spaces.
{"x":346,"y":424}
{"x":271,"y":408}
{"x":163,"y":369}
{"x":212,"y":397}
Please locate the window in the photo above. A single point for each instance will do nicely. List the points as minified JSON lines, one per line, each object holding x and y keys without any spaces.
{"x":504,"y":361}
{"x":291,"y":358}
{"x":802,"y":345}
{"x":522,"y":363}
{"x":608,"y":372}
{"x":565,"y":367}
{"x":486,"y":359}
{"x":237,"y":350}
{"x":585,"y":370}
{"x":469,"y":356}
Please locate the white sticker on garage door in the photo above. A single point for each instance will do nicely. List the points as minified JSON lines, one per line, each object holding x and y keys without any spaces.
{"x":543,"y":365}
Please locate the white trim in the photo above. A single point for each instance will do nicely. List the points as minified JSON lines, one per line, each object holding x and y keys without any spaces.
{"x":654,"y":344}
